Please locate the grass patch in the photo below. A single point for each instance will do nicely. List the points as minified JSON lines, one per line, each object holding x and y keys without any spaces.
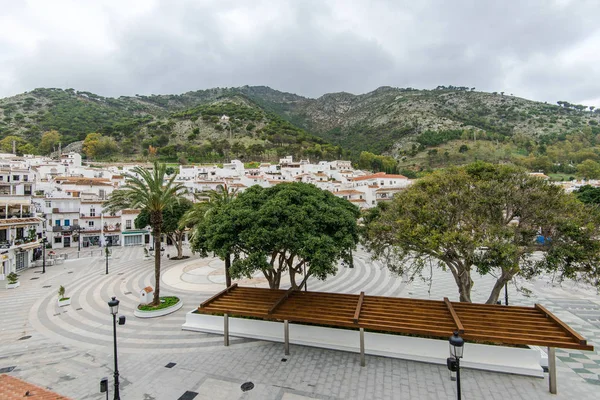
{"x":167,"y":301}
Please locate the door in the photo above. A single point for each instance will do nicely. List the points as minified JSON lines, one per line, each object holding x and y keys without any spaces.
{"x":21,"y":260}
{"x":67,"y":241}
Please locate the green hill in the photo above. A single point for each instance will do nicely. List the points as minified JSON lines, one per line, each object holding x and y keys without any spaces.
{"x":421,"y":129}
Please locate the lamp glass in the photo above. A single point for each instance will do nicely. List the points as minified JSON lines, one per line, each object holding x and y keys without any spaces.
{"x":456,"y":344}
{"x":114,"y":306}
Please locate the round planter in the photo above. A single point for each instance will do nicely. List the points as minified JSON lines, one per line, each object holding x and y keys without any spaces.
{"x":158,"y":313}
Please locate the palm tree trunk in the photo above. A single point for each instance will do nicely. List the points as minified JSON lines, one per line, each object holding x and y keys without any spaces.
{"x":156,"y":221}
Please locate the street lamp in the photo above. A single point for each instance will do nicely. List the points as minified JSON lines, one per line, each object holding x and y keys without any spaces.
{"x":114,"y":309}
{"x":456,"y":344}
{"x":44,"y":241}
{"x":106,"y":252}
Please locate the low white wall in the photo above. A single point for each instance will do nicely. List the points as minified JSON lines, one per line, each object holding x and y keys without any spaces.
{"x":159,"y":313}
{"x":478,"y":356}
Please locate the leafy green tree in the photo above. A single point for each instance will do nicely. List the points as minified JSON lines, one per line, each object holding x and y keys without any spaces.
{"x":589,"y":169}
{"x":170,"y":223}
{"x":588,"y":194}
{"x":287,"y":227}
{"x":49,"y":141}
{"x":217,"y":200}
{"x":97,"y":146}
{"x":486,"y":218}
{"x":6,"y":144}
{"x":152,"y":192}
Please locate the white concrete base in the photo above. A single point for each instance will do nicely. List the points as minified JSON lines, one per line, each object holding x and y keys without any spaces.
{"x":13,"y":285}
{"x":159,"y":313}
{"x":477,"y":356}
{"x":62,"y":303}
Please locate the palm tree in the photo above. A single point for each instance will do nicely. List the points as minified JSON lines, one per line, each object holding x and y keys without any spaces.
{"x":217,"y":198}
{"x":147,"y":190}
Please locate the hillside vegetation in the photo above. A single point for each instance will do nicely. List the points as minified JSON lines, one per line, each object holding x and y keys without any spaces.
{"x":421,"y":129}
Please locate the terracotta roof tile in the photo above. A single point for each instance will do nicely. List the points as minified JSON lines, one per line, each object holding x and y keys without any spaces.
{"x":12,"y":388}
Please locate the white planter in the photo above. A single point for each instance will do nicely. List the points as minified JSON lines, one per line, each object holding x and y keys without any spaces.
{"x":62,"y":303}
{"x":477,"y":356}
{"x":13,"y":285}
{"x":158,"y":313}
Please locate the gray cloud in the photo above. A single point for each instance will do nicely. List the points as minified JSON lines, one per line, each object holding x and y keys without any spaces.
{"x":540,"y":49}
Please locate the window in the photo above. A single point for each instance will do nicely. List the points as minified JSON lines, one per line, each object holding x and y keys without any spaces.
{"x":25,"y":178}
{"x":1,"y":178}
{"x":16,"y":178}
{"x":128,"y":224}
{"x":92,"y":212}
{"x":57,"y":222}
{"x":91,"y":224}
{"x":27,"y":190}
{"x":102,"y":194}
{"x":57,"y":239}
{"x":20,"y":233}
{"x":48,"y":204}
{"x":67,"y":222}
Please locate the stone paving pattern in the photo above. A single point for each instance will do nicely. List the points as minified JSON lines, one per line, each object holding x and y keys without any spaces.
{"x":70,"y":348}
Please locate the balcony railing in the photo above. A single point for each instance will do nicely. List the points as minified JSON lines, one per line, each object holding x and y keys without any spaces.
{"x":7,"y":244}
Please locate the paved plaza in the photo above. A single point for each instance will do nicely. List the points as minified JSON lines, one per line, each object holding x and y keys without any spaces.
{"x":69,"y":349}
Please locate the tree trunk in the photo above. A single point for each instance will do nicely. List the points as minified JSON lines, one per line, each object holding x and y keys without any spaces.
{"x":500,"y":282}
{"x":179,"y":244}
{"x":462,"y":277}
{"x":228,"y":270}
{"x":293,"y":278}
{"x":156,"y":222}
{"x":275,"y":279}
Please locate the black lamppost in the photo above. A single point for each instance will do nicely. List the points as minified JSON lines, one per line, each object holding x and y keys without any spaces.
{"x":505,"y":293}
{"x":114,"y":308}
{"x":453,"y":362}
{"x":106,"y":252}
{"x":44,"y":241}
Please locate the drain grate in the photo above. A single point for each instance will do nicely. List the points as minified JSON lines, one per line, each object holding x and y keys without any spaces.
{"x":170,"y":365}
{"x":34,"y":278}
{"x":120,"y":273}
{"x":7,"y":369}
{"x":25,"y":337}
{"x":78,"y":309}
{"x":188,"y":396}
{"x":283,"y":359}
{"x":37,"y":272}
{"x":47,"y":286}
{"x":247,"y":386}
{"x":70,"y":272}
{"x":127,"y":293}
{"x":56,"y":315}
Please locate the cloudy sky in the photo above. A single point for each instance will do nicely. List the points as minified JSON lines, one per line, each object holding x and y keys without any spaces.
{"x":545,"y":50}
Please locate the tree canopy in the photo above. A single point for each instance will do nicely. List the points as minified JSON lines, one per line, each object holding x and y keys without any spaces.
{"x":97,"y":146}
{"x":170,"y":222}
{"x":49,"y":140}
{"x":486,"y":218}
{"x":282,"y":228}
{"x":588,"y":194}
